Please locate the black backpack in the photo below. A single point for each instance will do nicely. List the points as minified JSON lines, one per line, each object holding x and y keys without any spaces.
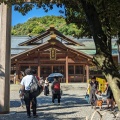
{"x":35,"y":89}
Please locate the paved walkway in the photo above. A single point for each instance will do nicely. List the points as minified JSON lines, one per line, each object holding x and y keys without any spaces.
{"x":73,"y":105}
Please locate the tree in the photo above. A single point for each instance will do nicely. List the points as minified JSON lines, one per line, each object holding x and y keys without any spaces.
{"x":104,"y":20}
{"x":99,"y":15}
{"x":37,"y":25}
{"x":103,"y":57}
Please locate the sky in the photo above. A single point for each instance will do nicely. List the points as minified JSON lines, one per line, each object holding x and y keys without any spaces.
{"x":19,"y":18}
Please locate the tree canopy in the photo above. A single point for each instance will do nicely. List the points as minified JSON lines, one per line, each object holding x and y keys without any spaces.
{"x":37,"y":25}
{"x":107,"y":11}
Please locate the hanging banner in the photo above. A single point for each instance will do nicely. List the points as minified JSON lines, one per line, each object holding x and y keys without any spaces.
{"x":53,"y":54}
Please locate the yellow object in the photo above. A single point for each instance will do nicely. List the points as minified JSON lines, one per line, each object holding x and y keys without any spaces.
{"x":88,"y":91}
{"x":101,"y":82}
{"x":17,"y":82}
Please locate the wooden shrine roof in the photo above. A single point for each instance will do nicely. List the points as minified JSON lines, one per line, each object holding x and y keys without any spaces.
{"x":52,"y":43}
{"x":50,"y":31}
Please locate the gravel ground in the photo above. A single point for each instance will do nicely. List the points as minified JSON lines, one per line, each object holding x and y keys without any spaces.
{"x":73,"y":106}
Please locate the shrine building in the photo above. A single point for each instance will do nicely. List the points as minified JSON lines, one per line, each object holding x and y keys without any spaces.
{"x":53,"y":52}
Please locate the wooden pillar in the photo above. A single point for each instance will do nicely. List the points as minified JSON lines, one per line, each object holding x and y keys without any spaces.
{"x":87,"y":72}
{"x":83,"y":73}
{"x":39,"y":70}
{"x":38,"y":64}
{"x":74,"y":73}
{"x":17,"y":72}
{"x":67,"y":69}
{"x":5,"y":44}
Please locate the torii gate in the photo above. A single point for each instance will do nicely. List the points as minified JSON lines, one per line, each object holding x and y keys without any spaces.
{"x":5,"y":48}
{"x":5,"y":55}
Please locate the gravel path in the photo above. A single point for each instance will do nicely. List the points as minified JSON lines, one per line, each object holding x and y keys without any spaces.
{"x":73,"y":105}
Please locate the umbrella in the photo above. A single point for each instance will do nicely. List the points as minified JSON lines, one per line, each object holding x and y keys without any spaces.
{"x":55,"y":75}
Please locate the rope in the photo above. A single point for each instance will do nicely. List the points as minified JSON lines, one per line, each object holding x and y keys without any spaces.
{"x":100,"y":114}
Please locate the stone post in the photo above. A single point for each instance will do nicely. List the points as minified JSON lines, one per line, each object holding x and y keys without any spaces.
{"x":5,"y":48}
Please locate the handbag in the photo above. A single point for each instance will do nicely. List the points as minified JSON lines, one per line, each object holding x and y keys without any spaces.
{"x":87,"y":98}
{"x":38,"y":91}
{"x":35,"y":89}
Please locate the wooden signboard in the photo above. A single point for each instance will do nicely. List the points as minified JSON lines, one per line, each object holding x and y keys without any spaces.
{"x":53,"y":54}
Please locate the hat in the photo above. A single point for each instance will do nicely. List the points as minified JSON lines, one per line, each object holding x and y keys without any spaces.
{"x":28,"y":71}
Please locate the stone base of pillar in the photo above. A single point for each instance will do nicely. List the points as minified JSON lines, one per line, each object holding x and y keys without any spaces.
{"x":5,"y":112}
{"x":66,"y":81}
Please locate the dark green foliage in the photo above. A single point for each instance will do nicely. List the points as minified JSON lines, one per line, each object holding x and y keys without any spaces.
{"x":37,"y":25}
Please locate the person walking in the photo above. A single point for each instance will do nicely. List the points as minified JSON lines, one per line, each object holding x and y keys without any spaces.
{"x":46,"y":87}
{"x":34,"y":72}
{"x":21,"y":98}
{"x":93,"y":85}
{"x":55,"y":87}
{"x":27,"y":95}
{"x":110,"y":98}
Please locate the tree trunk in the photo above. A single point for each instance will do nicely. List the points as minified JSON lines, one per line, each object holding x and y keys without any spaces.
{"x":103,"y":57}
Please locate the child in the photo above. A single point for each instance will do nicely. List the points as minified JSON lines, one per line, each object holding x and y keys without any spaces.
{"x":21,"y":97}
{"x":99,"y":100}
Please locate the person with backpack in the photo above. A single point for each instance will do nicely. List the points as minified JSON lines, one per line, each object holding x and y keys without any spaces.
{"x":55,"y":87}
{"x":28,"y":97}
{"x":34,"y":72}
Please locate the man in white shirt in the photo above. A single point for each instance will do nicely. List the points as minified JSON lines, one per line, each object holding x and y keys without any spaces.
{"x":27,"y":95}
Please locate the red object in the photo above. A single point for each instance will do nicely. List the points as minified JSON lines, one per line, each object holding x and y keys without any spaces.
{"x":57,"y":86}
{"x":37,"y":78}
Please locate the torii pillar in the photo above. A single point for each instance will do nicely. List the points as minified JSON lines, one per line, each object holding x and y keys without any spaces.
{"x":5,"y":48}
